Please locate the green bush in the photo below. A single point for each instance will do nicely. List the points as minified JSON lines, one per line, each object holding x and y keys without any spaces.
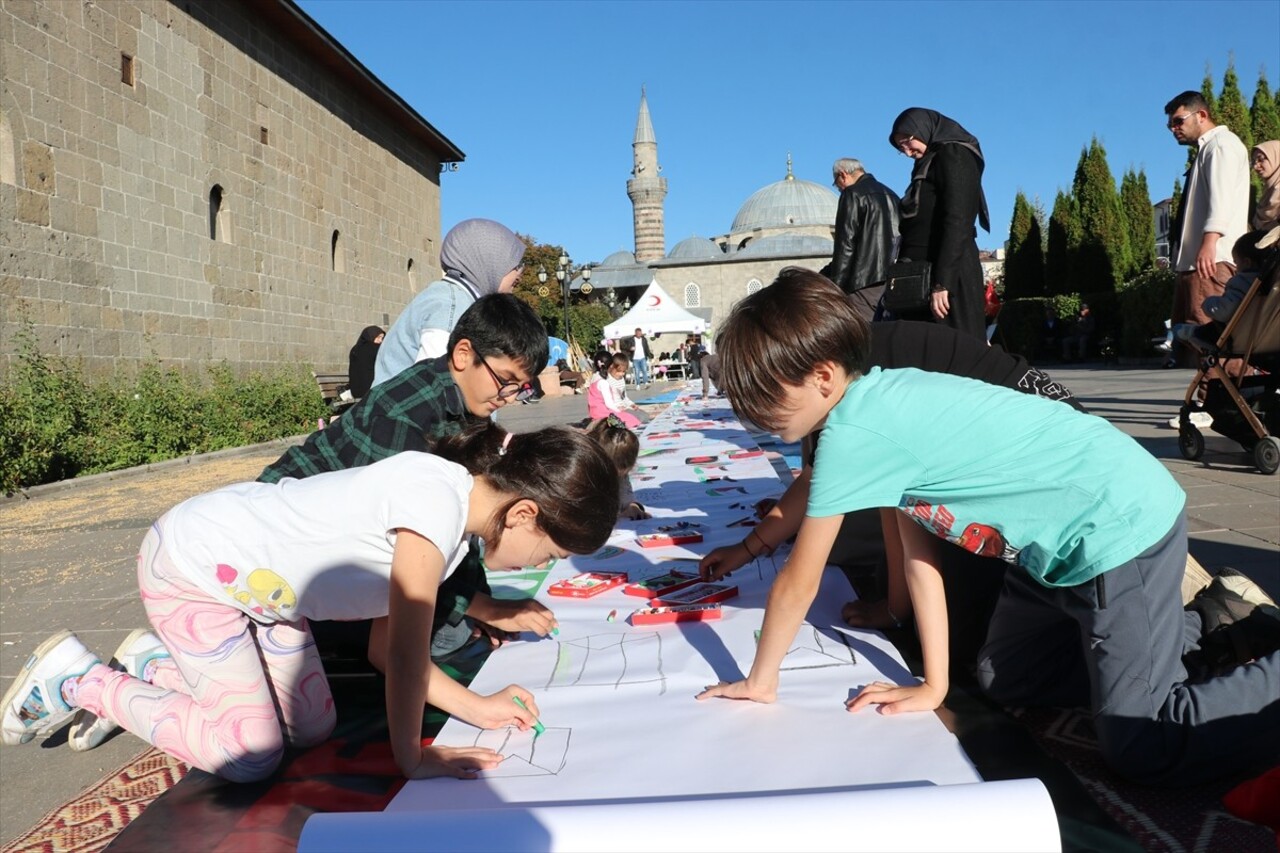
{"x":57,"y":423}
{"x":1145,"y":303}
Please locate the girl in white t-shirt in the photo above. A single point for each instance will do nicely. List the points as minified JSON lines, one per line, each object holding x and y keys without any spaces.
{"x":230,"y":578}
{"x":607,"y":394}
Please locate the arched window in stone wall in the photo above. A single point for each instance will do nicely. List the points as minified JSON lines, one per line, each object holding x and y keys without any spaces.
{"x":754,"y":286}
{"x":219,"y":216}
{"x":337,"y":254}
{"x":692,"y":295}
{"x":409,"y":270}
{"x":8,"y":159}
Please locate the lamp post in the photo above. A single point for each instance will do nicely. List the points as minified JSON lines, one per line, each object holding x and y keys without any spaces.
{"x":564,"y":276}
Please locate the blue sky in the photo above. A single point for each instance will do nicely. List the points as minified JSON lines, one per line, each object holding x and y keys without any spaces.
{"x":542,"y":96}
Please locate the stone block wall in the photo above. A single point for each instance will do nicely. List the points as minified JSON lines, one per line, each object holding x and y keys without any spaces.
{"x":114,"y":242}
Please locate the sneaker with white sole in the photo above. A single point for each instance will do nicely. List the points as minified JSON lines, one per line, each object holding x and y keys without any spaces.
{"x":137,"y":655}
{"x":44,"y":693}
{"x":1199,"y":419}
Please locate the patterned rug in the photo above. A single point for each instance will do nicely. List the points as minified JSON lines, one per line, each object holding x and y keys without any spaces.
{"x":1160,"y":820}
{"x":91,"y":821}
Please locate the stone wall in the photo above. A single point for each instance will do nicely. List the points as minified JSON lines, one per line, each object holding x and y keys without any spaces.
{"x":114,"y":241}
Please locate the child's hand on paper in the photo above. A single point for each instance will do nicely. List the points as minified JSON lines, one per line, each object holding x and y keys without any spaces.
{"x":893,"y":699}
{"x":766,"y":694}
{"x":723,"y":561}
{"x":635,"y":512}
{"x":458,"y":762}
{"x":514,"y":616}
{"x":499,"y":710}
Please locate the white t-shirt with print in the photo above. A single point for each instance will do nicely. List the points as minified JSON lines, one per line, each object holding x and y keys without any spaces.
{"x":319,"y":547}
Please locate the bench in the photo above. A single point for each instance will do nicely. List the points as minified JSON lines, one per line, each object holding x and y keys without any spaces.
{"x":331,"y":386}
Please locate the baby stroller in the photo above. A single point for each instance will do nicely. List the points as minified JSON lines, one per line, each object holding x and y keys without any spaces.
{"x":1245,"y":409}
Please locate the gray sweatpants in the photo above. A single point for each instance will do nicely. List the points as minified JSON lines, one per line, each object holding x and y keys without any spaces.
{"x":1117,"y":643}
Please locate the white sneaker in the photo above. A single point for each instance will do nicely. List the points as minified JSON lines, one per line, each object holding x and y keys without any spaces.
{"x":137,"y":655}
{"x":44,"y":693}
{"x":1199,"y":419}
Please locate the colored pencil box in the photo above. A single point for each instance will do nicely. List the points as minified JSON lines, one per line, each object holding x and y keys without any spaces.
{"x":703,"y":593}
{"x":680,"y":613}
{"x":587,"y":584}
{"x":660,"y":540}
{"x":661,"y":585}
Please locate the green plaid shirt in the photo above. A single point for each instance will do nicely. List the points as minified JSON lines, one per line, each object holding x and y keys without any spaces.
{"x":423,"y":403}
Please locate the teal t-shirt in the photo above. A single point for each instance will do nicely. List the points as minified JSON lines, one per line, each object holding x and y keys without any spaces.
{"x":1061,"y":493}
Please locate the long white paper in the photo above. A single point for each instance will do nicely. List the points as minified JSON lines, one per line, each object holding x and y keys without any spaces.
{"x":622,"y":724}
{"x":993,"y":816}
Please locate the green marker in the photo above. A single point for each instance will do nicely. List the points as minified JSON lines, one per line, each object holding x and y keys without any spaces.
{"x":538,"y":728}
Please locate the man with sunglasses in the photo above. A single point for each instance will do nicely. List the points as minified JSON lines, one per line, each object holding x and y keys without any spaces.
{"x":1214,"y":210}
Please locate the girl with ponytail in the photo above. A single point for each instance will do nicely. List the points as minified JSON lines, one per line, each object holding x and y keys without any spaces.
{"x":230,"y":578}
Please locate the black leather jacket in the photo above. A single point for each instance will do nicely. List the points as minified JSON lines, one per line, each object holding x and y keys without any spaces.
{"x":866,"y":229}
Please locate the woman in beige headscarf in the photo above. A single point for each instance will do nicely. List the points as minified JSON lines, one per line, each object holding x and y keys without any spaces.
{"x":1266,"y":162}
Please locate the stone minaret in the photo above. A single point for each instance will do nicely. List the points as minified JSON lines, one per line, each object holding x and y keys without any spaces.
{"x":646,"y":189}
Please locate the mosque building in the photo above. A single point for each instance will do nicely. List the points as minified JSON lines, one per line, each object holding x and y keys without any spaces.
{"x":788,"y":223}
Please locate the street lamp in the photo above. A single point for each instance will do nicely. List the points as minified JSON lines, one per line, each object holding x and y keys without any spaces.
{"x":564,"y":276}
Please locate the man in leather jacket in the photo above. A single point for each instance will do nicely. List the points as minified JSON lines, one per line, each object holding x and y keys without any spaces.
{"x":866,"y":235}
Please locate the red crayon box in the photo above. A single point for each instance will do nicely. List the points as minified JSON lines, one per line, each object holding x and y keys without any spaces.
{"x":587,"y":584}
{"x":661,"y":585}
{"x":703,"y":593}
{"x":681,"y":613}
{"x":746,"y":454}
{"x":660,"y":540}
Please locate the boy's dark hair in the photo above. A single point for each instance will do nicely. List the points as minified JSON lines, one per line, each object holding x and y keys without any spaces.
{"x":569,"y":476}
{"x":776,"y":336}
{"x":1190,"y":99}
{"x":502,"y":325}
{"x":618,"y":358}
{"x":619,"y":442}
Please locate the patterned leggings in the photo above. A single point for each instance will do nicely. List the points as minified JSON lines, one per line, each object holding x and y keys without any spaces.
{"x":233,"y":692}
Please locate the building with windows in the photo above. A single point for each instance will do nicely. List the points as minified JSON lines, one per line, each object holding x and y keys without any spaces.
{"x":204,"y":181}
{"x":788,"y":223}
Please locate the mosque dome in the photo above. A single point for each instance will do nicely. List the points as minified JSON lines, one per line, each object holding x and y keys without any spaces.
{"x":620,"y":258}
{"x":789,"y":202}
{"x":788,"y":245}
{"x":696,"y":248}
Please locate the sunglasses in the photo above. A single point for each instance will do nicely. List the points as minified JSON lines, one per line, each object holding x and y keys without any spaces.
{"x":508,"y":389}
{"x":1176,"y":121}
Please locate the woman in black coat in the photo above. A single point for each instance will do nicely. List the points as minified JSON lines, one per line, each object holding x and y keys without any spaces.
{"x":361,"y":359}
{"x":938,"y":211}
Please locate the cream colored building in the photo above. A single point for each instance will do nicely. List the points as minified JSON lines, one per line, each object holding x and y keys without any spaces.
{"x":204,"y":181}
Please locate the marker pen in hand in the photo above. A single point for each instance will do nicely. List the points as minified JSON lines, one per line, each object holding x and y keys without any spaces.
{"x":538,"y":728}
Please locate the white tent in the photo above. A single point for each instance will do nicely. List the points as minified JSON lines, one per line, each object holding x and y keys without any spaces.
{"x":655,"y":312}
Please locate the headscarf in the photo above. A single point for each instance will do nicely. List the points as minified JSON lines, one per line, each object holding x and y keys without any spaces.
{"x":934,"y":129}
{"x":361,"y":361}
{"x":480,"y":252}
{"x":1268,"y":212}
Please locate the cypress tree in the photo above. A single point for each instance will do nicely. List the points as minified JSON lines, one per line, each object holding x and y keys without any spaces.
{"x":1063,"y":242}
{"x":1104,"y":258}
{"x":1135,"y":199}
{"x":1231,"y":109}
{"x":1175,"y":203}
{"x":1264,"y":117}
{"x":1206,"y":89}
{"x":1024,"y":263}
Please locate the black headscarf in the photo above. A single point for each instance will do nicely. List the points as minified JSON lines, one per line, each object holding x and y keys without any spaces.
{"x":934,"y":129}
{"x":360,"y":361}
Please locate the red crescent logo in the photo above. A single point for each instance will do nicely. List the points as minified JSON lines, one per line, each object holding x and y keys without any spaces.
{"x":656,"y":300}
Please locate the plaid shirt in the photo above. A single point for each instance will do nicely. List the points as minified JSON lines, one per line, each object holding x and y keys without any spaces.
{"x":401,"y":414}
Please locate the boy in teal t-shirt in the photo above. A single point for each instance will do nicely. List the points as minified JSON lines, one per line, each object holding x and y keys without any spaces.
{"x":1092,"y":526}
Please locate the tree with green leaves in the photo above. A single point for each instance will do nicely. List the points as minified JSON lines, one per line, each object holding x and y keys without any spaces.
{"x":1206,"y":89}
{"x":1264,"y":116}
{"x":1103,"y":257}
{"x":1024,"y":263}
{"x":550,"y":307}
{"x":1063,"y":243}
{"x":1231,"y":110}
{"x":1135,"y":200}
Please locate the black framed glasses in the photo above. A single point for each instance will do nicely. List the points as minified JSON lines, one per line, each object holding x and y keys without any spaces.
{"x":508,"y":389}
{"x":1176,"y":121}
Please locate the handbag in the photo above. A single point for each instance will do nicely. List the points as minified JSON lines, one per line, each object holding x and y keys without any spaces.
{"x":907,"y":287}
